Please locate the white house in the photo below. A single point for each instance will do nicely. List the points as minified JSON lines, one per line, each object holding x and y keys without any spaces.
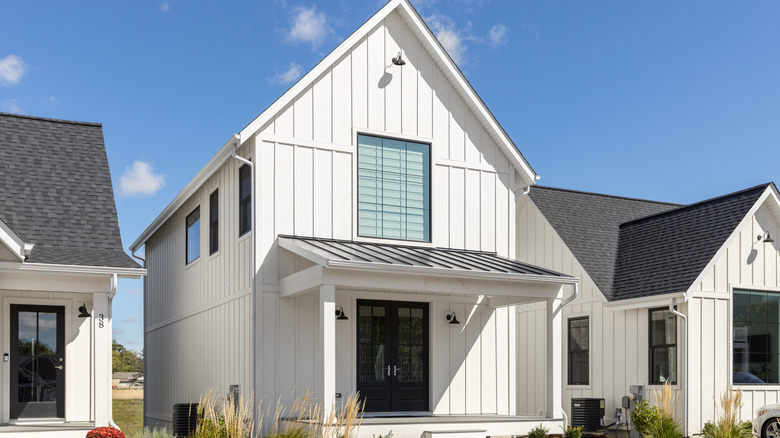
{"x":717,"y":264}
{"x":378,"y":186}
{"x":60,"y":257}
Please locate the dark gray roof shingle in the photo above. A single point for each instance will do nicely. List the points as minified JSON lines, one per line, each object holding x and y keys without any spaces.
{"x":636,"y":248}
{"x":55,"y":191}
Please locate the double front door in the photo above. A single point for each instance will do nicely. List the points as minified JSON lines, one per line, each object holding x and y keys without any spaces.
{"x":392,"y":355}
{"x":37,"y":360}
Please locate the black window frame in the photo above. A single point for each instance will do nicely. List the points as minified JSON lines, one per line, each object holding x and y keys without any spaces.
{"x":187,"y":227}
{"x":653,"y":347}
{"x":214,"y":222}
{"x":244,"y":201}
{"x":570,"y":352}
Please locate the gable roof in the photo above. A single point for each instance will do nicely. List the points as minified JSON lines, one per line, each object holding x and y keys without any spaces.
{"x":665,"y":253}
{"x":56,"y":192}
{"x":589,"y":225}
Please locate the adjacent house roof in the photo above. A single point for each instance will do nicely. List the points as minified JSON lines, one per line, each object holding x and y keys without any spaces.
{"x":636,"y":248}
{"x":345,"y":253}
{"x":56,"y":192}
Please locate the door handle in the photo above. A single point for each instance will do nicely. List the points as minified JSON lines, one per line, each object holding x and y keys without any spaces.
{"x":388,"y":371}
{"x":60,"y":367}
{"x":395,"y":370}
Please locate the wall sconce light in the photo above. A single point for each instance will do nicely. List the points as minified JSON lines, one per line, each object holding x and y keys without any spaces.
{"x":83,"y":313}
{"x":340,"y":314}
{"x":765,"y":237}
{"x":452,"y":318}
{"x":398,"y":60}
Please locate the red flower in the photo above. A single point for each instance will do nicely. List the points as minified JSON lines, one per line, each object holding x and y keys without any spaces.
{"x":105,"y":432}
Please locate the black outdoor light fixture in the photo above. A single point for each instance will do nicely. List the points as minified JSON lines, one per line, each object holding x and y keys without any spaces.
{"x":398,"y":60}
{"x":765,"y":237}
{"x":452,"y":318}
{"x":340,"y":314}
{"x":83,"y":313}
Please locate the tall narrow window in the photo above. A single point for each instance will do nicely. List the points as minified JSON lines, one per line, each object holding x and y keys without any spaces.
{"x":244,"y":200}
{"x":663,"y":346}
{"x":214,"y":222}
{"x":393,"y":189}
{"x":579,"y":351}
{"x":193,"y":236}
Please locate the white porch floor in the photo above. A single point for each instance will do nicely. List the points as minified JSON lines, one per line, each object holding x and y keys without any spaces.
{"x":63,"y":430}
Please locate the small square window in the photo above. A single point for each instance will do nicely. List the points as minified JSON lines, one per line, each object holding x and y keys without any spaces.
{"x":193,"y":236}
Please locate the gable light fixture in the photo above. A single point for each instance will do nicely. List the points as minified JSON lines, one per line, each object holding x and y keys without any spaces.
{"x":765,"y":237}
{"x":83,"y":313}
{"x":452,"y":318}
{"x":398,"y":60}
{"x":340,"y":314}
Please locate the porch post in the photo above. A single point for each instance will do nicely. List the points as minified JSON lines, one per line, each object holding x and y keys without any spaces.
{"x":554,"y":346}
{"x":101,"y":320}
{"x":327,"y":347}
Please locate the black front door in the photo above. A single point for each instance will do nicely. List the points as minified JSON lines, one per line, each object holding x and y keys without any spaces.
{"x":392,"y":355}
{"x":37,"y":362}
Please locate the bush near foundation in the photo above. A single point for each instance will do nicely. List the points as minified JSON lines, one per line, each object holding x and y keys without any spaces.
{"x":105,"y":432}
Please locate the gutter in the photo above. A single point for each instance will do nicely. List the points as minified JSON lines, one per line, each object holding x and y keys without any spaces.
{"x":685,"y":355}
{"x":253,"y":297}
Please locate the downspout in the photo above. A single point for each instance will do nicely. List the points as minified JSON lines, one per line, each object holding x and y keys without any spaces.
{"x":685,"y":355}
{"x":252,"y":297}
{"x":560,"y":308}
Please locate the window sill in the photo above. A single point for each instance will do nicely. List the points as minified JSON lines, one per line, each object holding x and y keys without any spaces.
{"x":389,"y":241}
{"x":192,"y":263}
{"x":587,"y":387}
{"x":214,"y":255}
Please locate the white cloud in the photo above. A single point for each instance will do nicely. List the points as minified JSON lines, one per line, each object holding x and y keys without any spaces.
{"x":309,"y":26}
{"x":165,"y":7}
{"x":497,"y":35}
{"x":140,"y":180}
{"x":288,"y":76}
{"x":11,"y":106}
{"x":12,"y":68}
{"x":449,"y":36}
{"x":53,"y":99}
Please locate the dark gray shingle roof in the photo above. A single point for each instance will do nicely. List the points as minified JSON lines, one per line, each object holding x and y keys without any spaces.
{"x":55,"y":191}
{"x":636,"y":248}
{"x":423,"y":257}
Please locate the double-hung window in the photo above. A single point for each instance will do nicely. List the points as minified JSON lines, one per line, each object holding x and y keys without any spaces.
{"x":579,"y":351}
{"x":663,"y":346}
{"x":393,"y":189}
{"x":192,"y":243}
{"x":244,"y":200}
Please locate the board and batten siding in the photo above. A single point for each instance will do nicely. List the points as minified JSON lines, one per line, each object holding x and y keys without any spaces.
{"x":619,"y":355}
{"x":197,"y":317}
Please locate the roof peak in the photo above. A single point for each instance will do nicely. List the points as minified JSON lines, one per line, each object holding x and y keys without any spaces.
{"x":604,"y":195}
{"x":46,"y":119}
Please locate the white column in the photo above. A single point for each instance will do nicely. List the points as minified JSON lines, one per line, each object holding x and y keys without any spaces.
{"x":327,"y":347}
{"x":554,"y":346}
{"x":102,"y":346}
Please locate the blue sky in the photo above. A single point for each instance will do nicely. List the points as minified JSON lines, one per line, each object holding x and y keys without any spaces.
{"x":669,"y":100}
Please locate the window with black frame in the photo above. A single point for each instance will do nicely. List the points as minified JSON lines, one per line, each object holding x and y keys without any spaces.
{"x":663,"y":346}
{"x":579,"y":351}
{"x":244,"y":200}
{"x":756,"y":337}
{"x":214,"y":222}
{"x":192,"y":243}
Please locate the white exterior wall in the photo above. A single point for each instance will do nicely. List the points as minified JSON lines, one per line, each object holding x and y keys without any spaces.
{"x":619,"y":354}
{"x":198,"y":318}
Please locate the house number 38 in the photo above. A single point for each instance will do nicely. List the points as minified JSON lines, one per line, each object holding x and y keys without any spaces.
{"x":101,"y":324}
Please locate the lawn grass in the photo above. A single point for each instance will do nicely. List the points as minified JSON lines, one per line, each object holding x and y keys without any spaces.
{"x":129,"y":415}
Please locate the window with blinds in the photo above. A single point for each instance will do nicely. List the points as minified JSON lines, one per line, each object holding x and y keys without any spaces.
{"x":393,"y":189}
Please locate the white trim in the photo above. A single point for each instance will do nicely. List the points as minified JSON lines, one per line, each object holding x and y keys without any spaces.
{"x":12,"y":241}
{"x":646,"y":302}
{"x":96,"y":271}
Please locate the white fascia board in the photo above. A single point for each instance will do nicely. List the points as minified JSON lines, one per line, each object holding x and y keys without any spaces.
{"x":205,"y":173}
{"x":429,"y":40}
{"x":97,"y":271}
{"x":12,"y":241}
{"x":770,"y":192}
{"x":645,"y":302}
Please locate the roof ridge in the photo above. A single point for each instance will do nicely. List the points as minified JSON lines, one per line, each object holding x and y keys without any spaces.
{"x":697,"y":204}
{"x":604,"y":195}
{"x":47,"y":119}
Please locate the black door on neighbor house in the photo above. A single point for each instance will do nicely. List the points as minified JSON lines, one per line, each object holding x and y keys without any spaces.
{"x":37,"y":362}
{"x":392,"y":355}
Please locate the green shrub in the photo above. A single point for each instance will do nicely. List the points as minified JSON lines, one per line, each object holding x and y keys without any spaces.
{"x":388,"y":435}
{"x":572,"y":432}
{"x":538,"y":432}
{"x":643,"y":416}
{"x":664,"y":427}
{"x":728,"y":426}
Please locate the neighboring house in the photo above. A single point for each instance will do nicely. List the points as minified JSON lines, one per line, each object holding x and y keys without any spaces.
{"x":715,"y":260}
{"x":60,"y":257}
{"x":125,"y":379}
{"x":385,"y":192}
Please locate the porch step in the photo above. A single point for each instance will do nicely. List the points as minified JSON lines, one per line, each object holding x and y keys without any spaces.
{"x":473,"y":433}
